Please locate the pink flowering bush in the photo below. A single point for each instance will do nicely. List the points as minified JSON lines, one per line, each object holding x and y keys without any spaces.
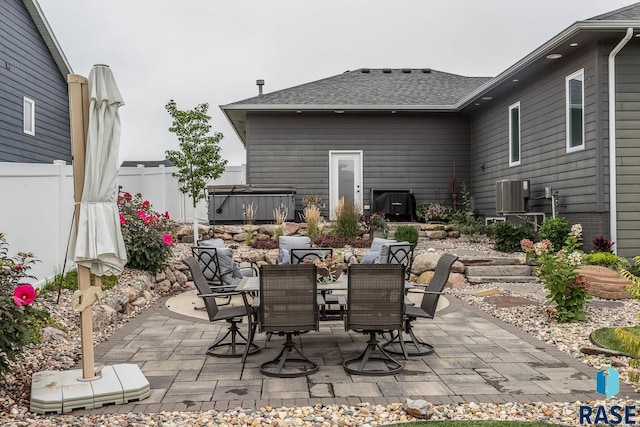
{"x":558,"y":271}
{"x":147,"y":233}
{"x":20,"y":321}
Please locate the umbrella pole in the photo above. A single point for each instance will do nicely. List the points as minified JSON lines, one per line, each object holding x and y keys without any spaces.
{"x":79,"y":117}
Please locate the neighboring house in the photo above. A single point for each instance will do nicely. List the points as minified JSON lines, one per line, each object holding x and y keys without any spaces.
{"x":34,"y":103}
{"x":545,"y":119}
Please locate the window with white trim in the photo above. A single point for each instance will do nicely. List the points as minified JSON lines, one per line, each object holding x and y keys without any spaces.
{"x":514,"y":134}
{"x":29,"y":116}
{"x":575,"y":111}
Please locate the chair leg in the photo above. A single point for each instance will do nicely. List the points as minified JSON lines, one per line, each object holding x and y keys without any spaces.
{"x":392,"y":365}
{"x":236,"y":347}
{"x":283,"y":366}
{"x":421,"y":348}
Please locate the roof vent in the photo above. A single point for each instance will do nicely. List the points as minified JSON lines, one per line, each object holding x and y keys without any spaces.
{"x":365,"y":70}
{"x":426,"y":70}
{"x":406,"y":70}
{"x":386,"y":70}
{"x":260,"y":83}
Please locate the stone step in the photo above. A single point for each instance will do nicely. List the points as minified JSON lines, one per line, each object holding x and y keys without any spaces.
{"x":498,"y":270}
{"x":508,"y":279}
{"x":483,"y":260}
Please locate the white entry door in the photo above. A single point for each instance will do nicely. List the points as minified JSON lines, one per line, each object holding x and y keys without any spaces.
{"x":345,"y":178}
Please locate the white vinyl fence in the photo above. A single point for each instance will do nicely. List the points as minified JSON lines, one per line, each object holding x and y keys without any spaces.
{"x":37,"y":206}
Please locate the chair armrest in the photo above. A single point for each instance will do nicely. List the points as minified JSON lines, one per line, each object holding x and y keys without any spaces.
{"x":423,"y":291}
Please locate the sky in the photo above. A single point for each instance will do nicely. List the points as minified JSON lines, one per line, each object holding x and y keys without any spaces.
{"x":213,"y":51}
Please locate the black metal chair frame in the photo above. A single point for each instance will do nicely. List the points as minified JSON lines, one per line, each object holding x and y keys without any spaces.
{"x":288,"y":306}
{"x":238,"y":345}
{"x":220,"y":281}
{"x":427,"y":309}
{"x":375,"y":306}
{"x":299,"y":256}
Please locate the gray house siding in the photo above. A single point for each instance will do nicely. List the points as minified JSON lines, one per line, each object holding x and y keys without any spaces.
{"x":628,"y":149}
{"x":403,"y":151}
{"x":28,"y":69}
{"x":578,"y":176}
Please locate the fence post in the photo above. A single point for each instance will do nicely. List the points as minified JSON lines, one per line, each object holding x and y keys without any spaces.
{"x":141,"y":167}
{"x":163,"y":200}
{"x":61,"y":237}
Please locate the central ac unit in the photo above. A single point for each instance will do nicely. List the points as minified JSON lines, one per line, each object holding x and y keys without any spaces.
{"x":511,"y":196}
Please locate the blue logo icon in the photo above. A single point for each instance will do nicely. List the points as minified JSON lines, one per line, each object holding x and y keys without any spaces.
{"x":608,"y":382}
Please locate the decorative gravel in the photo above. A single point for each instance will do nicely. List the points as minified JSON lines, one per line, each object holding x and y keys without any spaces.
{"x":57,"y":352}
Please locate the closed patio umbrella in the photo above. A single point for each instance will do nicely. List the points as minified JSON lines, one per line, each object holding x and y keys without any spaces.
{"x":99,"y":245}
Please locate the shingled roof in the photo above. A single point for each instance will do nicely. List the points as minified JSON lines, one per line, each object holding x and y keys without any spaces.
{"x":631,"y":12}
{"x":376,"y":87}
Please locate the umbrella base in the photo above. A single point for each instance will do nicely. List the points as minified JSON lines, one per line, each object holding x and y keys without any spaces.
{"x":117,"y":385}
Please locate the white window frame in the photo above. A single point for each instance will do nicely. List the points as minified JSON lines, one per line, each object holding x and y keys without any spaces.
{"x":512,"y":107}
{"x":568,"y":79}
{"x":29,"y":127}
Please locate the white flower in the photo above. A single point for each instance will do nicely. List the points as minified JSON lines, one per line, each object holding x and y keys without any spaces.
{"x":576,"y":230}
{"x":575,"y":259}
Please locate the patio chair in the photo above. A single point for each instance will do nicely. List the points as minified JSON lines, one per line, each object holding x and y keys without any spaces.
{"x":372,"y":255}
{"x":375,"y":305}
{"x":286,"y":243}
{"x":288,"y":306}
{"x":426,"y":309}
{"x":219,"y":268}
{"x":238,"y":345}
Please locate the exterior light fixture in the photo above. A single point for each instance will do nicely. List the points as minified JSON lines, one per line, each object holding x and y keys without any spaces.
{"x":574,"y":44}
{"x":554,"y":56}
{"x":487,"y":98}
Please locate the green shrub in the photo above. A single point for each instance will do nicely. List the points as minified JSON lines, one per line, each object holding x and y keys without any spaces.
{"x":507,"y":235}
{"x":470,"y":225}
{"x":20,"y":321}
{"x":606,"y":259}
{"x":70,"y":281}
{"x":146,"y":233}
{"x":406,"y":233}
{"x":347,"y":223}
{"x":555,"y":230}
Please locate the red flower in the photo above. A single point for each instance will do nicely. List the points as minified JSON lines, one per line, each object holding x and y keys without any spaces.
{"x":24,"y":295}
{"x":122,"y":219}
{"x":167,"y":239}
{"x":166,"y":214}
{"x":142,"y":215}
{"x":18,"y":267}
{"x":145,"y":204}
{"x":127,"y":196}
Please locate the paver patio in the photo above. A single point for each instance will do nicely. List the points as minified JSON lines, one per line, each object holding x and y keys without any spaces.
{"x":477,"y":358}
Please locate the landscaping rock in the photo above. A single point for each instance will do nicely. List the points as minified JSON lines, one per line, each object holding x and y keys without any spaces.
{"x":604,"y":282}
{"x":418,"y":408}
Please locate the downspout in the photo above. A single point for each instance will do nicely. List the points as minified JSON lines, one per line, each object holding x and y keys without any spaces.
{"x":613,"y":197}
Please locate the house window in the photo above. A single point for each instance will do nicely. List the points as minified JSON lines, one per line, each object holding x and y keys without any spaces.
{"x":514,"y":134}
{"x":575,"y":111}
{"x":29,"y":116}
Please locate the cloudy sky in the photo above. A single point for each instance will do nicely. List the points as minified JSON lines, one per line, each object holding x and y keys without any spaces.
{"x":212,"y":51}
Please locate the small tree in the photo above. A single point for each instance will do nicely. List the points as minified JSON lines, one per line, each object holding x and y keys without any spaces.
{"x":198,"y":160}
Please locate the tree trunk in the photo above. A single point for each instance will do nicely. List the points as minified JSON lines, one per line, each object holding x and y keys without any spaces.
{"x":195,"y":227}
